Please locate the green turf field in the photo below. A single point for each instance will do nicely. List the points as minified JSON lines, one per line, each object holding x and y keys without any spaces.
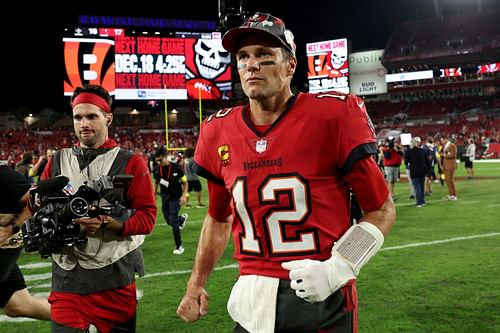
{"x":437,"y":272}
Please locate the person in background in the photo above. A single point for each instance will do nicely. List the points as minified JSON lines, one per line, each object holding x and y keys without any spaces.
{"x":380,"y":156}
{"x":470,"y":155}
{"x":407,"y":171}
{"x":152,"y":163}
{"x":297,"y":251}
{"x":25,"y":165}
{"x":15,"y":299}
{"x":430,"y":155}
{"x":94,"y":282}
{"x":173,"y":190}
{"x":416,"y":162}
{"x":439,"y":162}
{"x":449,"y":166}
{"x":194,"y":183}
{"x":37,"y":169}
{"x":393,"y":156}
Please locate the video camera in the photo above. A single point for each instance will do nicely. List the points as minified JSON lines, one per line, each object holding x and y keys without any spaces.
{"x":390,"y":142}
{"x":51,"y":227}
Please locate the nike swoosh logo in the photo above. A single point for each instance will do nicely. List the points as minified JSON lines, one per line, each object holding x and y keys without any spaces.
{"x":360,"y":105}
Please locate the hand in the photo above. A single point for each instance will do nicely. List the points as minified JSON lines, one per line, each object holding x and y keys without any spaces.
{"x":91,"y":224}
{"x":194,"y":304}
{"x":315,"y":280}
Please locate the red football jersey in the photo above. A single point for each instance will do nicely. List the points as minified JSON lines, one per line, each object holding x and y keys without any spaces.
{"x":289,"y":196}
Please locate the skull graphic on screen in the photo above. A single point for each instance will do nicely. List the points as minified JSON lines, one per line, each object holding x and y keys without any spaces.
{"x":211,"y":58}
{"x":338,"y":57}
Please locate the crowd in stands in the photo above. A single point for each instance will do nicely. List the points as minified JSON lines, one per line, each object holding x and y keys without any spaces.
{"x":15,"y":142}
{"x":476,"y":118}
{"x":473,"y":118}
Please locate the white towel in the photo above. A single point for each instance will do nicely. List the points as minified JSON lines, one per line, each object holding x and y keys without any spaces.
{"x":252,"y":303}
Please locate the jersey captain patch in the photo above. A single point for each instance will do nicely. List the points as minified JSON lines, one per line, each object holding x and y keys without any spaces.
{"x":223,"y":152}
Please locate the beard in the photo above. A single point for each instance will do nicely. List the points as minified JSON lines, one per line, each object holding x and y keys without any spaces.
{"x":89,"y":140}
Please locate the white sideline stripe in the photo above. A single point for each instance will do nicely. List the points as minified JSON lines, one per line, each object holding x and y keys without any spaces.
{"x":448,"y":240}
{"x":36,"y":265}
{"x":399,"y":247}
{"x":39,"y":286}
{"x":187,"y":271}
{"x":457,"y":202}
{"x":36,"y":277}
{"x":140,"y":293}
{"x":493,"y":160}
{"x":4,"y":318}
{"x":164,"y":224}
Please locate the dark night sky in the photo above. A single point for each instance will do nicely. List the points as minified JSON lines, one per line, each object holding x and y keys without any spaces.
{"x":32,"y":47}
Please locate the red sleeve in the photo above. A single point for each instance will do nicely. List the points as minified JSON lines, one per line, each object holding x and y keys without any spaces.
{"x":219,"y":201}
{"x":140,"y":196}
{"x":354,"y":119}
{"x":368,"y":184}
{"x":46,"y":170}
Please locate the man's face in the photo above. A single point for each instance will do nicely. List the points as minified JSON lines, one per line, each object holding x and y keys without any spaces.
{"x":49,"y":153}
{"x":90,"y":125}
{"x":263,"y":68}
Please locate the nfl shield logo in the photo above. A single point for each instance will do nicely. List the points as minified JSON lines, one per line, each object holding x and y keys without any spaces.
{"x":261,"y":146}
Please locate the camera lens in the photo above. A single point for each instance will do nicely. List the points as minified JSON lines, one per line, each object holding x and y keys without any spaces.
{"x":79,"y":207}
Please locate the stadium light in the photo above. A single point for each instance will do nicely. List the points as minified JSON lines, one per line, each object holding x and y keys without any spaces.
{"x":29,"y":120}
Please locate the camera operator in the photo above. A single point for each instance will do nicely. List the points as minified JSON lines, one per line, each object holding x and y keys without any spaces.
{"x":393,"y":155}
{"x":94,"y":282}
{"x":15,"y":300}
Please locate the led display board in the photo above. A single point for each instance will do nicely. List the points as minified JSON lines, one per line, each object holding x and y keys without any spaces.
{"x":136,"y":67}
{"x":328,"y":66}
{"x":88,"y":61}
{"x":367,"y":74}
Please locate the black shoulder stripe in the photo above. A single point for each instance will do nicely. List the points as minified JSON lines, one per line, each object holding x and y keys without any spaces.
{"x":206,"y":174}
{"x":358,"y":153}
{"x":120,"y":163}
{"x":55,"y":169}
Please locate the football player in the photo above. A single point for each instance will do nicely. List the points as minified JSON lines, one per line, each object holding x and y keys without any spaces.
{"x":298,"y":253}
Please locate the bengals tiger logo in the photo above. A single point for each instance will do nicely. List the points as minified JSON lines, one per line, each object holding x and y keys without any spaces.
{"x":88,"y":61}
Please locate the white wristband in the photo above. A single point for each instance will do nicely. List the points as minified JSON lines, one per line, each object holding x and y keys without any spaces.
{"x":361,"y":242}
{"x":315,"y":280}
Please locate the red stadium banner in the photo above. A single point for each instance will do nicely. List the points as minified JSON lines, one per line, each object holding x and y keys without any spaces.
{"x":450,"y":72}
{"x":490,"y":68}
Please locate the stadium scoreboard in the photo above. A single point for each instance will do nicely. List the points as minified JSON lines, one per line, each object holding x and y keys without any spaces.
{"x":148,"y":66}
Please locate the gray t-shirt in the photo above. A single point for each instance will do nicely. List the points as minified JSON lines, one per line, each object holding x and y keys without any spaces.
{"x":188,"y":169}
